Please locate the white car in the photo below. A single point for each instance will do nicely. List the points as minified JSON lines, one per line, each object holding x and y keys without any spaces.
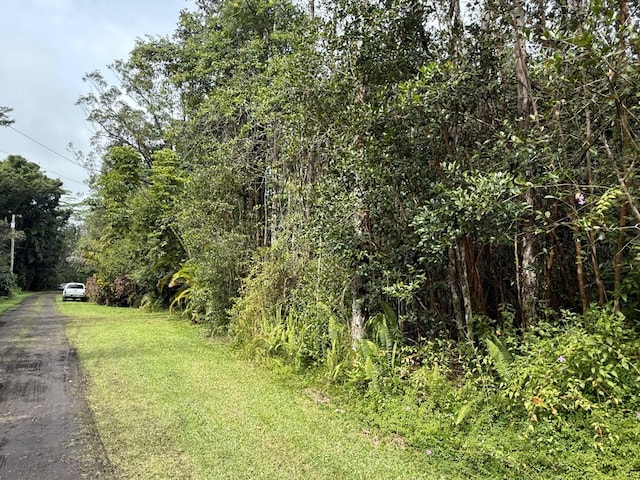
{"x":74,"y":291}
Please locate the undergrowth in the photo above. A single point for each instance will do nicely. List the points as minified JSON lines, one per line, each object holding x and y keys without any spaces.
{"x":559,"y":402}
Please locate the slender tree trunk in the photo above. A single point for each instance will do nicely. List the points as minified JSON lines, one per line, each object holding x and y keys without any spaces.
{"x":463,"y":275}
{"x":358,"y":317}
{"x":623,"y":19}
{"x":358,"y":288}
{"x":548,"y":276}
{"x":596,"y":269}
{"x":529,"y":281}
{"x":592,"y":244}
{"x":475,"y":282}
{"x":584,"y":301}
{"x":618,"y":258}
{"x":458,"y":280}
{"x":360,"y":224}
{"x":452,"y":277}
{"x":548,"y":272}
{"x":526,"y":109}
{"x":578,"y":10}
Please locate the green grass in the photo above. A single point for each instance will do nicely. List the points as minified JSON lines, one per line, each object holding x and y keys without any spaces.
{"x":171,"y":403}
{"x":7,"y":303}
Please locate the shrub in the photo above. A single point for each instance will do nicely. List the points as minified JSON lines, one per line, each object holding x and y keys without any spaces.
{"x":98,"y":290}
{"x":121,"y":292}
{"x":287,"y":307}
{"x":7,"y":282}
{"x":587,"y":363}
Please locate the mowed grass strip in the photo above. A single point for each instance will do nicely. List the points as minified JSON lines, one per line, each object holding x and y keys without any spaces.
{"x":170,"y":403}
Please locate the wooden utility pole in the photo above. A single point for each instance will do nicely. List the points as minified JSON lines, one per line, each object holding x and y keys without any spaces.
{"x":13,"y":238}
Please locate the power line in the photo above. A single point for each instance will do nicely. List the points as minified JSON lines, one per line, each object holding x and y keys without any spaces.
{"x":49,"y":148}
{"x":52,"y":172}
{"x":62,"y":176}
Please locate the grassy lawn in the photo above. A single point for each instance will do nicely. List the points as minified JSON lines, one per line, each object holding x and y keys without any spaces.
{"x":171,"y":403}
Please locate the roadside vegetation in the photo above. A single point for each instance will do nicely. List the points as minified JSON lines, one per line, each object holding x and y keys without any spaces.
{"x":171,"y":401}
{"x":430,"y":208}
{"x":12,"y":299}
{"x":34,"y":220}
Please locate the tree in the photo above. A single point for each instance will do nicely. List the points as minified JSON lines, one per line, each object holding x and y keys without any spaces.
{"x":5,"y":121}
{"x":35,"y":200}
{"x":459,"y":162}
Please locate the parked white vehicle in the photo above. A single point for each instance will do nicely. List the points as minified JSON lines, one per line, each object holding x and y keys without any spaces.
{"x":74,"y":291}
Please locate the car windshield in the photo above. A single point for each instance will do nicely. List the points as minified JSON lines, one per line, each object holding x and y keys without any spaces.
{"x":74,"y":285}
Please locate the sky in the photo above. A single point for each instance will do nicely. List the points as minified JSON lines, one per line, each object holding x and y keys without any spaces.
{"x":46,"y":47}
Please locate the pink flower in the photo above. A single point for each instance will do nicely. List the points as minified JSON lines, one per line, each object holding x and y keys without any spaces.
{"x":561,"y":359}
{"x":638,"y":415}
{"x":580,"y":198}
{"x":429,"y":452}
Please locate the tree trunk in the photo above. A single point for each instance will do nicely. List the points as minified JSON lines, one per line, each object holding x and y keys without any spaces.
{"x":458,"y":280}
{"x":596,"y":269}
{"x":358,"y":288}
{"x":358,"y":317}
{"x":623,"y":19}
{"x":618,"y":257}
{"x":548,"y":272}
{"x":529,"y":279}
{"x":452,"y":277}
{"x":526,"y":109}
{"x":584,"y":301}
{"x":463,"y":275}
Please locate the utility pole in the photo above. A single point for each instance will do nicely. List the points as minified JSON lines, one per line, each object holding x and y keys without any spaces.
{"x":13,"y":239}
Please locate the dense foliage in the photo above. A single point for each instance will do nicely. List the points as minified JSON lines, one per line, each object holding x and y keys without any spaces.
{"x":400,"y":193}
{"x":42,"y":236}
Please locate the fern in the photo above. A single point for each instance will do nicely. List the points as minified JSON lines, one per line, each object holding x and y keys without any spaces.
{"x":463,"y":413}
{"x":385,"y":329}
{"x":501,"y":357}
{"x":183,"y":278}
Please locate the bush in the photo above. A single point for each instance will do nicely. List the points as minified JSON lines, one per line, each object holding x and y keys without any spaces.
{"x":287,"y":307}
{"x":588,"y":363}
{"x":7,"y":282}
{"x":121,"y":292}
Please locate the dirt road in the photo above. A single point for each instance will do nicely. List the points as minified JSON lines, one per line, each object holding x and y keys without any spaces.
{"x":45,"y":427}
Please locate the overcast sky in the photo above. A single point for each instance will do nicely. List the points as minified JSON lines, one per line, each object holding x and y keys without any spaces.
{"x":46,"y":47}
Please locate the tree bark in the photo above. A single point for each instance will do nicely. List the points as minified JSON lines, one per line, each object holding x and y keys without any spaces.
{"x":526,"y":110}
{"x":358,"y":317}
{"x":584,"y":301}
{"x":452,"y":277}
{"x":358,"y":287}
{"x":463,"y":275}
{"x":596,"y":269}
{"x":618,"y":257}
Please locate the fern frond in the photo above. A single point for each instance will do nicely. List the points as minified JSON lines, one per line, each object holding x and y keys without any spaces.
{"x":463,"y":413}
{"x":501,"y":358}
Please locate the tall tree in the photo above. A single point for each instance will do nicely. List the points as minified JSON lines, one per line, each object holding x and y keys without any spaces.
{"x":35,"y":200}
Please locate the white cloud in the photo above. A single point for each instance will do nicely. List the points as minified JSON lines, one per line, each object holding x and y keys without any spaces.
{"x":53,"y":43}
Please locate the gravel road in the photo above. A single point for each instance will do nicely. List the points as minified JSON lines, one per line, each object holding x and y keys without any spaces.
{"x":46,"y":431}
